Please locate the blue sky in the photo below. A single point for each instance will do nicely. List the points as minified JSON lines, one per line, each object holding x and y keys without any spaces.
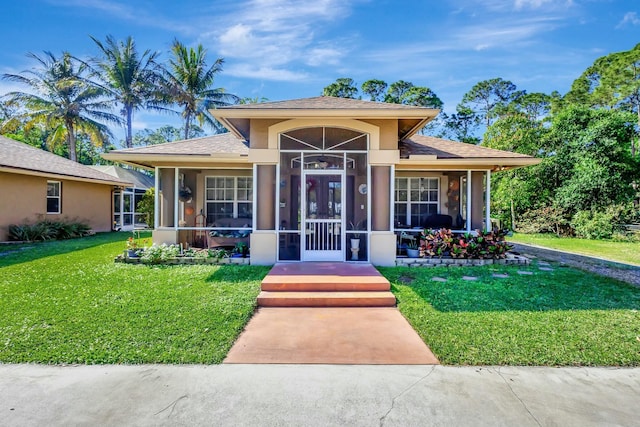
{"x":281,"y":49}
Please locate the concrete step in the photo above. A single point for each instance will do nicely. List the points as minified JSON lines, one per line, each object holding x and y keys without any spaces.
{"x":325,"y":284}
{"x":326,"y":299}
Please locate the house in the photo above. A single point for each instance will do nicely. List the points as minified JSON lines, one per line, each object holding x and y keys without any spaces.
{"x":319,"y":178}
{"x":125,"y":201}
{"x":36,"y":184}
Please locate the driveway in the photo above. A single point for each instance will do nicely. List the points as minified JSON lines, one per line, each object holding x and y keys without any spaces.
{"x":625,"y":272}
{"x":317,"y":395}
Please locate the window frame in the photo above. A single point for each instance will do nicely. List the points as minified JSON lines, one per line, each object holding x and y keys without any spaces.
{"x":57,"y":197}
{"x":236,"y":201}
{"x":409,"y":202}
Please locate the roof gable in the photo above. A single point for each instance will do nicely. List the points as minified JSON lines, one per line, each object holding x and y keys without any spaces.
{"x":237,"y":118}
{"x":138,"y":179}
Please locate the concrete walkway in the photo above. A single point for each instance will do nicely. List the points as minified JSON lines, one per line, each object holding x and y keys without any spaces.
{"x":330,"y":335}
{"x":328,"y":313}
{"x":317,"y":395}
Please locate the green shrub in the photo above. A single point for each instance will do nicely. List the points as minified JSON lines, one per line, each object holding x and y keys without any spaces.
{"x":156,"y":253}
{"x":599,"y":224}
{"x":482,"y":245}
{"x":548,"y":219}
{"x":146,"y":206}
{"x":48,"y":230}
{"x":626,"y":236}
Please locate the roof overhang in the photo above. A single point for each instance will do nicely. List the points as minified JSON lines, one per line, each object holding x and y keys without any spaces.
{"x":149,"y":161}
{"x":65,"y":177}
{"x":494,"y":164}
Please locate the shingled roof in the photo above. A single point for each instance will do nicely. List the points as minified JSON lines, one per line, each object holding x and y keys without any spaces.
{"x":446,"y":149}
{"x":323,"y":103}
{"x":137,"y":178}
{"x":224,"y":147}
{"x":18,"y":157}
{"x":225,"y":143}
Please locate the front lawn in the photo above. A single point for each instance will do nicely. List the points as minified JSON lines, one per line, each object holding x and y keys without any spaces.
{"x":68,"y":302}
{"x":628,"y":252}
{"x":560,"y":317}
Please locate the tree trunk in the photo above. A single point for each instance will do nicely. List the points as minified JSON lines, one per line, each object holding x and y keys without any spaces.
{"x":129,"y":139}
{"x":187,"y":124}
{"x":71,"y":142}
{"x":513,"y":216}
{"x":633,"y":141}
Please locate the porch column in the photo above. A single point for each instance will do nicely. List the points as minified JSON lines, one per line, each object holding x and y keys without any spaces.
{"x":265,"y":210}
{"x":167,"y":197}
{"x":477,"y":202}
{"x":383,"y":240}
{"x":264,"y":242}
{"x":380,"y":194}
{"x":468,"y":215}
{"x":487,"y":197}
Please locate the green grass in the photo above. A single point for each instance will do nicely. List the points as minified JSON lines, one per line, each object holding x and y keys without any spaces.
{"x":564,"y":317}
{"x":68,"y":302}
{"x":628,"y":252}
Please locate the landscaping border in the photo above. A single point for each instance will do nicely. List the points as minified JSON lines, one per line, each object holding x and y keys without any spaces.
{"x":186,"y":261}
{"x":511,"y":259}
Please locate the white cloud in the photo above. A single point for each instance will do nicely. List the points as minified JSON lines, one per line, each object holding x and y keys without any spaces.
{"x":138,"y":124}
{"x":264,"y":73}
{"x":280,"y":36}
{"x":496,"y":33}
{"x":324,"y":56}
{"x":630,"y":18}
{"x":476,"y":6}
{"x":533,"y":4}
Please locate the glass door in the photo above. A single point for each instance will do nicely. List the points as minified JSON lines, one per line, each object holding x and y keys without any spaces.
{"x":323,"y":216}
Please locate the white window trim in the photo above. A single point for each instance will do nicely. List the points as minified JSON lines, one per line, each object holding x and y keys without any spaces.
{"x":409,"y":202}
{"x":59,"y":197}
{"x":236,"y":201}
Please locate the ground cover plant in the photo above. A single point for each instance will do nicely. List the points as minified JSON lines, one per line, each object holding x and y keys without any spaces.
{"x":559,"y":317}
{"x":48,"y":230}
{"x":628,"y":252}
{"x":68,"y":302}
{"x":481,"y":245}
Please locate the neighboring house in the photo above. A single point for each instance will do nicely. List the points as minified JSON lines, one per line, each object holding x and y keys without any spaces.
{"x":125,"y":201}
{"x":300,"y":179}
{"x":36,"y":184}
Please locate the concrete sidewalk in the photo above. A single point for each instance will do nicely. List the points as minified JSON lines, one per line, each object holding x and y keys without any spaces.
{"x":317,"y":395}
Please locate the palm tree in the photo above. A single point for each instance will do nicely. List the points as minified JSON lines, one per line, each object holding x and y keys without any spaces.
{"x":62,"y":101}
{"x":130,"y":78}
{"x":189,"y":82}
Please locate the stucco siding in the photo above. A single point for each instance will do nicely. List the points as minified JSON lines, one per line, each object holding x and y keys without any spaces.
{"x":24,"y":199}
{"x":388,"y":133}
{"x":259,"y":136}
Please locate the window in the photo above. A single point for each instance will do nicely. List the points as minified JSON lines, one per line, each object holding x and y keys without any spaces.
{"x":229,"y":197}
{"x":415,"y":199}
{"x":53,"y":197}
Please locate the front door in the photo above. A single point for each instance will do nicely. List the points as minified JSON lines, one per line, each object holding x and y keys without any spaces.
{"x":322,"y":216}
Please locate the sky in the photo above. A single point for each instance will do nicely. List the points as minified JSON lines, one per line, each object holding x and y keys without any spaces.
{"x":285,"y":49}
